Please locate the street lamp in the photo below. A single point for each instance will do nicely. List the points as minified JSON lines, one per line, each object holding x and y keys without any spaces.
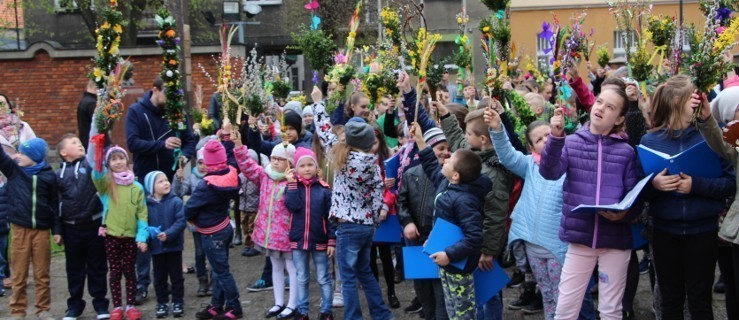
{"x":231,"y":10}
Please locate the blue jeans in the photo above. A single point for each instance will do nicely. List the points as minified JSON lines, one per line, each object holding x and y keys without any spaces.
{"x":301,"y":259}
{"x":4,"y":270}
{"x":199,"y":256}
{"x":353,"y":245}
{"x":492,"y":310}
{"x":225,"y":291}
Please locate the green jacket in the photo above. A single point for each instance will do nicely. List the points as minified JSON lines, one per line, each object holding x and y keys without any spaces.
{"x":128,"y":217}
{"x":496,"y":201}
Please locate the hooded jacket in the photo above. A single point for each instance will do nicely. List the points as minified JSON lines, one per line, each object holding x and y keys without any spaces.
{"x":462,"y":205}
{"x":78,"y":204}
{"x":33,"y":200}
{"x":272,"y":224}
{"x":309,"y":203}
{"x":167,"y":214}
{"x":698,"y":211}
{"x":146,"y":132}
{"x":208,"y":206}
{"x":600,"y":170}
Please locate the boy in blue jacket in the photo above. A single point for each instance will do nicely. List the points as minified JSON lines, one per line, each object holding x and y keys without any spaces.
{"x":34,"y":204}
{"x":461,"y":191}
{"x":166,"y":226}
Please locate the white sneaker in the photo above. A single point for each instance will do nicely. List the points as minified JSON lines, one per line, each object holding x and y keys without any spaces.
{"x":338,"y":300}
{"x":103,"y":316}
{"x":69,"y":318}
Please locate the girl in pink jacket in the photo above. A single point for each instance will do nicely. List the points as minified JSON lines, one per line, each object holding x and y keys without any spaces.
{"x":272,"y":225}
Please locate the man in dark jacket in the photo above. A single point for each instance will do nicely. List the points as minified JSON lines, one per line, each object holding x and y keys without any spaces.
{"x":4,"y":224}
{"x":34,"y":203}
{"x":85,"y":110}
{"x":153,"y":145}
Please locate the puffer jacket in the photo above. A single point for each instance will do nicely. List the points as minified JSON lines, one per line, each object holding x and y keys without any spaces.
{"x":537,"y":214}
{"x":33,"y":200}
{"x":167,"y":214}
{"x":272,"y":224}
{"x":416,"y":200}
{"x":146,"y":131}
{"x":78,"y":205}
{"x":462,"y":205}
{"x":4,"y":207}
{"x":309,"y":202}
{"x":600,"y":170}
{"x":714,"y":137}
{"x":696,"y":212}
{"x":208,"y":206}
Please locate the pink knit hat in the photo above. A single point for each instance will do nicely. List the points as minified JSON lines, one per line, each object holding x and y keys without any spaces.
{"x":214,"y":156}
{"x":304,"y":153}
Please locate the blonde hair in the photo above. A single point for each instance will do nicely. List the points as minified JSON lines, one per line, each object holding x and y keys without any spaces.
{"x":476,"y":123}
{"x":354,"y":99}
{"x":341,"y":154}
{"x":668,"y":103}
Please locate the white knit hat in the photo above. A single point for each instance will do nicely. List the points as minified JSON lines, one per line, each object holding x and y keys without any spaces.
{"x":285,"y":152}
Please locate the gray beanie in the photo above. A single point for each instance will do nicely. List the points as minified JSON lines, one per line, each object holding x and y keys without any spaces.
{"x":293,"y":106}
{"x":359,"y":135}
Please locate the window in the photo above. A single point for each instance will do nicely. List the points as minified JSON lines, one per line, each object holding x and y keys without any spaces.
{"x":543,"y":57}
{"x":262,"y":2}
{"x":619,"y":43}
{"x":65,"y":5}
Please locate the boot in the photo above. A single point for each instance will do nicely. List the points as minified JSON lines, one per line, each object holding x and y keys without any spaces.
{"x":527,"y":296}
{"x":202,"y":286}
{"x":536,"y":305}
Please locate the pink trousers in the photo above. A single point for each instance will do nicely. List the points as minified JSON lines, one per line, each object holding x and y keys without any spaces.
{"x":576,"y":272}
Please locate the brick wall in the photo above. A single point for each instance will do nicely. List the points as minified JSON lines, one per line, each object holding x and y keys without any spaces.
{"x":50,"y":88}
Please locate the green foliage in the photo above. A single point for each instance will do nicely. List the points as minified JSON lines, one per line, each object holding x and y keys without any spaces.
{"x":317,"y":46}
{"x":281,"y":89}
{"x":495,"y":5}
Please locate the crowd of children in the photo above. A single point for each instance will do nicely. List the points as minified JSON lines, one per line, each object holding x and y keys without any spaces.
{"x":313,"y":185}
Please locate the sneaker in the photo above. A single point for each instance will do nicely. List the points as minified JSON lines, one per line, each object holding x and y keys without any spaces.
{"x":517,"y":279}
{"x":103,"y":315}
{"x":644,"y":265}
{"x":527,"y":297}
{"x":178,"y":310}
{"x":45,"y":315}
{"x":260,"y":285}
{"x":2,"y":292}
{"x":720,"y":286}
{"x":326,"y":316}
{"x":72,"y":315}
{"x":393,"y":301}
{"x":133,"y":314}
{"x":162,"y":310}
{"x":536,"y":306}
{"x":209,"y":312}
{"x":230,"y":313}
{"x":117,"y":314}
{"x":338,"y":300}
{"x":415,"y":306}
{"x":141,"y":296}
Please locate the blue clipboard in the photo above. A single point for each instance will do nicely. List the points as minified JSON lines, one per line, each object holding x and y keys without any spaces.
{"x":389,"y":231}
{"x":489,"y":283}
{"x":444,"y":234}
{"x":418,"y":265}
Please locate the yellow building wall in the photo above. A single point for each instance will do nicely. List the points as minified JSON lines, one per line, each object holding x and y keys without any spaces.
{"x":526,"y":23}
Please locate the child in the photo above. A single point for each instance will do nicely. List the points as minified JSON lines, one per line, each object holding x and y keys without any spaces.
{"x":272,"y":225}
{"x":538,"y":212}
{"x":308,"y":198}
{"x":600,"y":167}
{"x":124,"y":225}
{"x":249,"y":205}
{"x":34,"y":204}
{"x":207,"y":209}
{"x":81,"y":217}
{"x":166,"y":215}
{"x":684,"y":240}
{"x":415,"y":210}
{"x":183,"y":187}
{"x":356,"y":201}
{"x":293,"y":131}
{"x":461,"y":190}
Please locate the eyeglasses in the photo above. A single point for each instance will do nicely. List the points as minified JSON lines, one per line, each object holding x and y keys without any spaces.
{"x":275,"y":159}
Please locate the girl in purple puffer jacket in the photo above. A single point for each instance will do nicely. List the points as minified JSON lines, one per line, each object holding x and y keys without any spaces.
{"x":600,"y":167}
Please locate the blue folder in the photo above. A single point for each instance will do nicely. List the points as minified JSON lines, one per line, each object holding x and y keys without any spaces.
{"x":392,"y":165}
{"x":444,"y":234}
{"x":389,"y":230}
{"x":419,"y":265}
{"x":699,"y":160}
{"x":154,"y":231}
{"x":489,"y":283}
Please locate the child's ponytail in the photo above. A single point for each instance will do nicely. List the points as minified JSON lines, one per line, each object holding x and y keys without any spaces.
{"x":341,"y":154}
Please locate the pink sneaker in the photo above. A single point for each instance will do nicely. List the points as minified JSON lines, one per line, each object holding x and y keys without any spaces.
{"x":117,"y":314}
{"x":133,"y":314}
